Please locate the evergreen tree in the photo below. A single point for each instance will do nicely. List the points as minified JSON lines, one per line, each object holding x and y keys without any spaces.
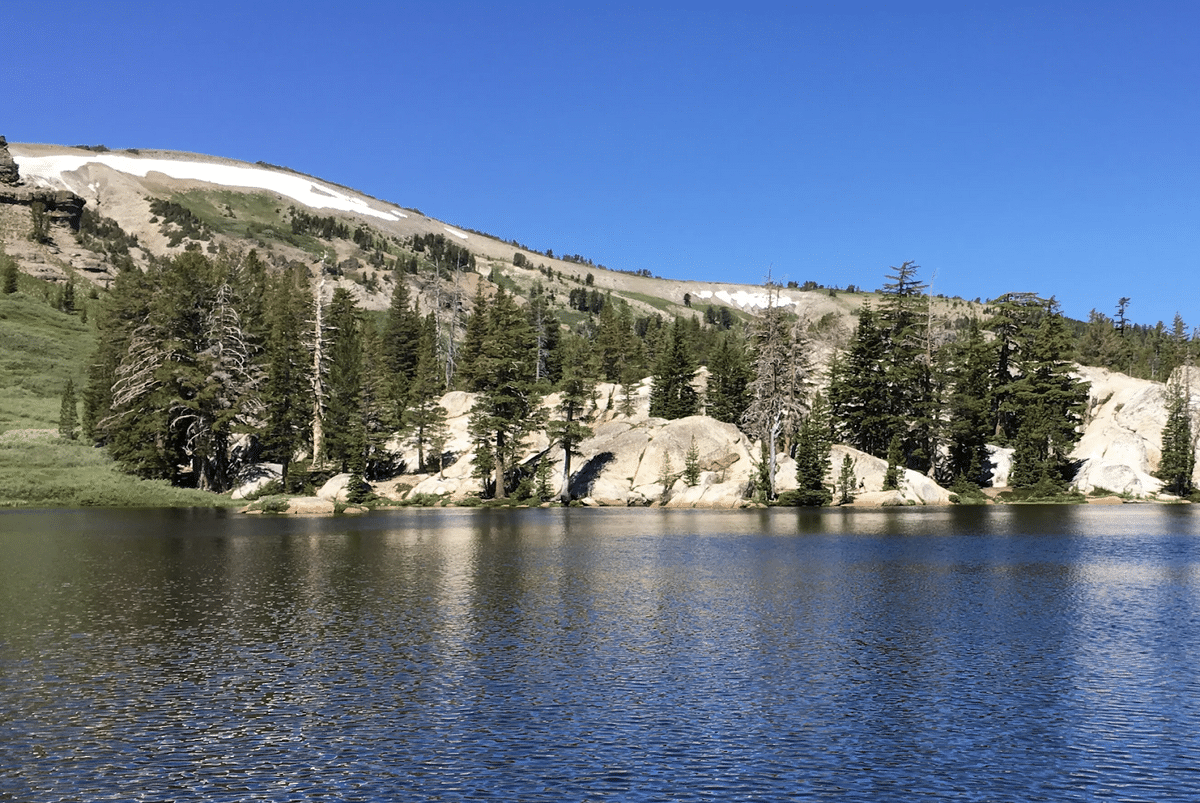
{"x":859,"y":390}
{"x":812,"y":458}
{"x":1048,"y":402}
{"x":124,"y":310}
{"x":542,"y":489}
{"x":728,"y":381}
{"x":691,"y":465}
{"x":778,"y":388}
{"x":969,"y":410}
{"x":508,"y":406}
{"x":895,"y":457}
{"x":400,"y":340}
{"x":847,"y":481}
{"x":8,"y":274}
{"x":345,"y":437}
{"x":1178,"y":443}
{"x":425,"y":417}
{"x":68,"y":418}
{"x":547,"y":368}
{"x":288,"y":390}
{"x":567,"y":429}
{"x":671,"y":394}
{"x":378,"y":409}
{"x":469,"y":374}
{"x":910,"y":394}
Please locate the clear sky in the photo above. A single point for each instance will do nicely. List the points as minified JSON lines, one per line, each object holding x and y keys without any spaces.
{"x":1008,"y":146}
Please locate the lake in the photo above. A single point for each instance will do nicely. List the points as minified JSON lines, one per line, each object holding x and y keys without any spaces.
{"x":1007,"y":653}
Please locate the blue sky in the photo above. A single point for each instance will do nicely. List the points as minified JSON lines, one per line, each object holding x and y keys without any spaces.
{"x":1002,"y":146}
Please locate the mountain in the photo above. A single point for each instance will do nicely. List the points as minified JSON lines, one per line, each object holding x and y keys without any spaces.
{"x":244,"y":205}
{"x":92,"y":212}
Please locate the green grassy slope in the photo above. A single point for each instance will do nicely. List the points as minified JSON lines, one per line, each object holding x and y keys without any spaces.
{"x":40,"y":348}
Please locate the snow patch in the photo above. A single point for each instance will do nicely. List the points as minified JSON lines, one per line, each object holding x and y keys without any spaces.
{"x":455,"y":232}
{"x":744,"y":299}
{"x":51,"y":171}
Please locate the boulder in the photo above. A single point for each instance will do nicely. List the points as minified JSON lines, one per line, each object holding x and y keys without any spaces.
{"x":337,"y":488}
{"x":254,"y":477}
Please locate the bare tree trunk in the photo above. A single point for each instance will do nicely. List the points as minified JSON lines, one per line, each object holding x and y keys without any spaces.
{"x":318,"y":432}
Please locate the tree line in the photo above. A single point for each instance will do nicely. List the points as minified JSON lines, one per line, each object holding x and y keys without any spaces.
{"x":207,"y":364}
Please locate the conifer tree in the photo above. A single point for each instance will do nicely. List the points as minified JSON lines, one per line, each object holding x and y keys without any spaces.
{"x":378,"y":408}
{"x":425,"y":418}
{"x":671,"y":394}
{"x":288,"y":390}
{"x":895,"y":456}
{"x":1178,"y":442}
{"x":969,"y":410}
{"x":345,"y":436}
{"x":8,"y":274}
{"x":469,"y":375}
{"x":508,"y":406}
{"x":728,"y":381}
{"x":68,"y":418}
{"x":1048,"y":402}
{"x":847,"y":481}
{"x":859,"y":392}
{"x":566,"y":429}
{"x":399,"y":341}
{"x":778,"y":388}
{"x":124,"y":308}
{"x":691,"y":464}
{"x":812,"y":457}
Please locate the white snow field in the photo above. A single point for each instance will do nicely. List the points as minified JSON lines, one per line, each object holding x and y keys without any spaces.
{"x":49,"y":171}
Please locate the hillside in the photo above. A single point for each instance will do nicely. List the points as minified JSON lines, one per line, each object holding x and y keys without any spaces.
{"x":106,"y":211}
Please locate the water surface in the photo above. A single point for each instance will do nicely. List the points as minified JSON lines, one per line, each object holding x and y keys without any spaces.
{"x":1020,"y":653}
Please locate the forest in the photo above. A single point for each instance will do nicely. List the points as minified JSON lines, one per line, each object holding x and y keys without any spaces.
{"x":209,"y":363}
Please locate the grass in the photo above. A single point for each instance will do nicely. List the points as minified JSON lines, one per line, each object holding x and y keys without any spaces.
{"x":255,"y":216}
{"x":40,"y":348}
{"x":43,"y":470}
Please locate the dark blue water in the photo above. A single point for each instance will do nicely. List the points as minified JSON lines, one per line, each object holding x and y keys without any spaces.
{"x":969,"y":654}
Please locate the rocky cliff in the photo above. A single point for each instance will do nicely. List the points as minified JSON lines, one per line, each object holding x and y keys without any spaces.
{"x":61,"y":206}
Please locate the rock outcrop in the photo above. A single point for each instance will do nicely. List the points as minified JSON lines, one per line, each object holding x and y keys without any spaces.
{"x":1121,"y":444}
{"x":9,"y":175}
{"x":61,"y":206}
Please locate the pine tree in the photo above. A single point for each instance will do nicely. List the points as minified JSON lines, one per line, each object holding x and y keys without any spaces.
{"x":542,"y":489}
{"x":671,"y":394}
{"x":1178,"y":443}
{"x":691,"y":465}
{"x":895,"y":456}
{"x":567,"y":429}
{"x":399,"y":341}
{"x":288,"y":390}
{"x":8,"y":274}
{"x":778,"y":389}
{"x":859,"y":390}
{"x":1048,"y":403}
{"x":969,"y":409}
{"x":812,"y":458}
{"x":508,"y":406}
{"x":345,"y":437}
{"x":847,"y":481}
{"x":728,"y":381}
{"x":124,"y":309}
{"x":68,"y":418}
{"x":469,"y":374}
{"x":425,"y":417}
{"x":378,"y":409}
